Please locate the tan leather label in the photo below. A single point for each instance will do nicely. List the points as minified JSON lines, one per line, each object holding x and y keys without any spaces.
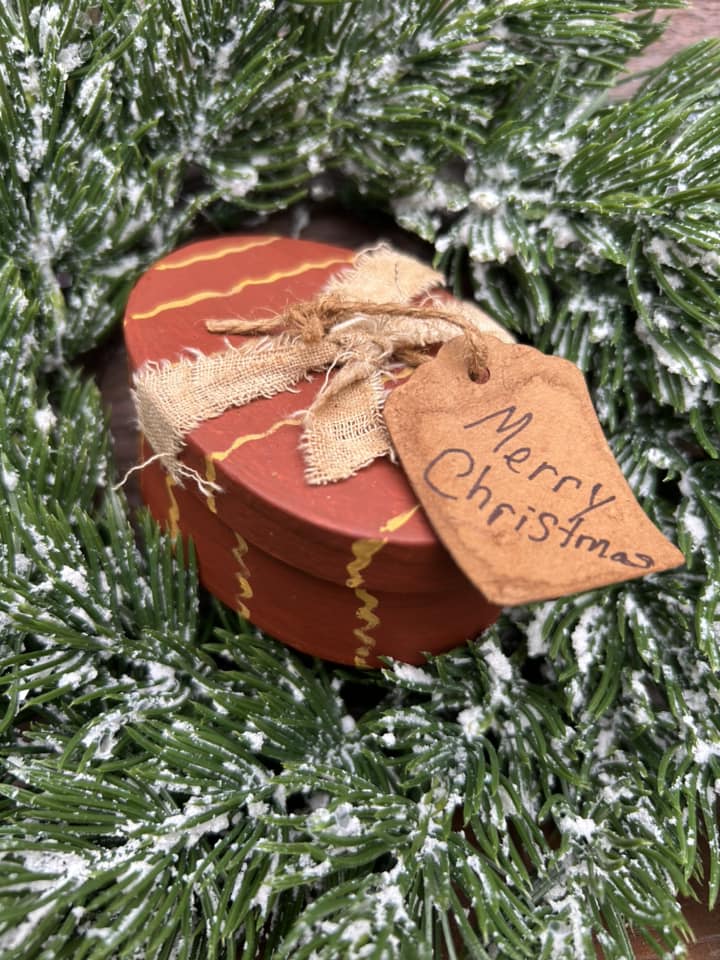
{"x":516,"y":476}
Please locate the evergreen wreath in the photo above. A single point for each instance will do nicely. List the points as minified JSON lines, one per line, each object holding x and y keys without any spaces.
{"x":175,"y":784}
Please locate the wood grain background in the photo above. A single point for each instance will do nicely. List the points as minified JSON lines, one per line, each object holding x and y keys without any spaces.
{"x":700,"y":21}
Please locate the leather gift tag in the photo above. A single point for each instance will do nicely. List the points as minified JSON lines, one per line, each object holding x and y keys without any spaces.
{"x":516,"y":476}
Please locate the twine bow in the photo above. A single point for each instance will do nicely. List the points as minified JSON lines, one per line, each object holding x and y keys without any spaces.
{"x":361,"y":327}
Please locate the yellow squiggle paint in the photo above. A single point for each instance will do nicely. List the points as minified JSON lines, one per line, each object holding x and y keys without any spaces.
{"x":246,"y":591}
{"x":203,"y":295}
{"x":173,"y":510}
{"x":394,"y":523}
{"x":239,"y":552}
{"x":248,"y":437}
{"x":371,"y":620}
{"x":212,"y":458}
{"x":363,"y":551}
{"x":403,"y":374}
{"x":210,"y":477}
{"x":217,"y":255}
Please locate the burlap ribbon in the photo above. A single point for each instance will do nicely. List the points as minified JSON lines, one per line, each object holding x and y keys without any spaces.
{"x":361,"y":327}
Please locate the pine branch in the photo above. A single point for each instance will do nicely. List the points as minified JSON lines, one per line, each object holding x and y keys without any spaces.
{"x":175,"y":784}
{"x":587,"y":222}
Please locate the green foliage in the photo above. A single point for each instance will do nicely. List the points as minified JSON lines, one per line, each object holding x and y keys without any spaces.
{"x":175,"y":784}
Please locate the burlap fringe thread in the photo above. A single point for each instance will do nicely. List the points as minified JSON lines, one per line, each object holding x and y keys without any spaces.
{"x":360,"y":327}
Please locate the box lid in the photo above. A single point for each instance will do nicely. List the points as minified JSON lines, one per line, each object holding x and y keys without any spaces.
{"x":252,"y":452}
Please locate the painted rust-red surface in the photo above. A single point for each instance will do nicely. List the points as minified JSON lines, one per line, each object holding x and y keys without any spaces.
{"x":347,"y":571}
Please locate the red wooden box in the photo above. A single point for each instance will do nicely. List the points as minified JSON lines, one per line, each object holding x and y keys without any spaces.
{"x":348,"y":571}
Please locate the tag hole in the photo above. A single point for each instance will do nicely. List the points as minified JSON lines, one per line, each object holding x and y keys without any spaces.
{"x":481,"y":377}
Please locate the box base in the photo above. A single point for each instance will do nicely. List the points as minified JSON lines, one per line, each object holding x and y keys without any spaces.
{"x":344,"y":622}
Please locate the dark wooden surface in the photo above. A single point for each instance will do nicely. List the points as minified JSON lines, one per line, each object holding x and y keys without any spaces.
{"x":700,"y":21}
